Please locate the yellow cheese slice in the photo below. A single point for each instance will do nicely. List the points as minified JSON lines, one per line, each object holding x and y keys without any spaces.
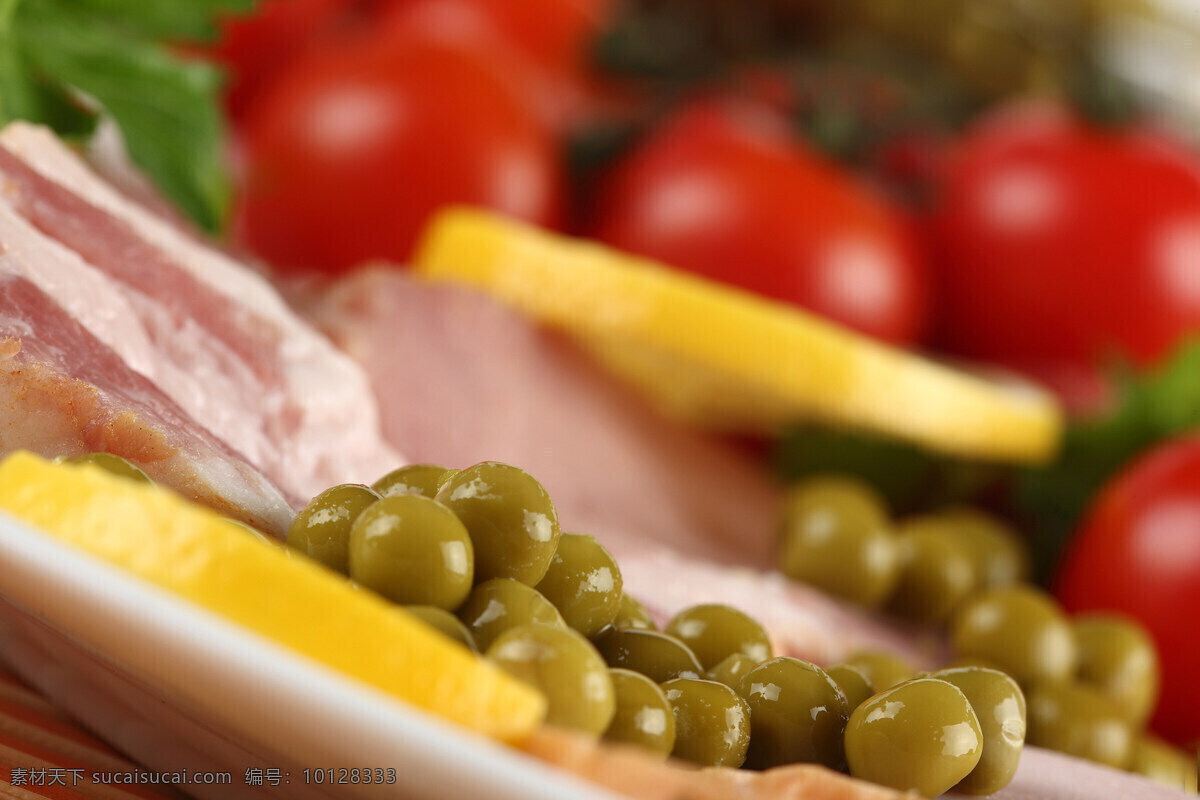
{"x":216,"y":564}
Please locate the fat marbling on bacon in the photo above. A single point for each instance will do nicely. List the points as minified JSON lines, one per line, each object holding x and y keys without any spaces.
{"x":206,"y":331}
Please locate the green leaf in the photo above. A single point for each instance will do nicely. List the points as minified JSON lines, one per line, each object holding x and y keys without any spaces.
{"x":1152,"y":407}
{"x":166,"y":108}
{"x":190,"y":20}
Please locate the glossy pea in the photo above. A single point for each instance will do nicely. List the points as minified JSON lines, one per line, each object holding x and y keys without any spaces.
{"x":498,"y":604}
{"x":1081,"y":722}
{"x":731,"y":669}
{"x":1019,"y":628}
{"x":413,"y":551}
{"x":655,"y":655}
{"x":643,"y":716}
{"x":714,"y":631}
{"x":853,"y":683}
{"x":321,"y":530}
{"x":632,"y":614}
{"x":712,"y":722}
{"x":836,"y":535}
{"x":798,"y":713}
{"x":510,"y":517}
{"x":999,"y":555}
{"x":584,"y":583}
{"x":564,"y":667}
{"x":1118,"y":658}
{"x":444,"y":623}
{"x":423,"y":479}
{"x":999,"y":706}
{"x":936,"y":570}
{"x":882,"y":670}
{"x":921,"y":736}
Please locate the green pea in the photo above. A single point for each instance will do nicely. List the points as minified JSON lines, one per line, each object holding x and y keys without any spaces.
{"x":836,"y":536}
{"x":1163,"y":763}
{"x":510,"y":517}
{"x":498,"y":604}
{"x":444,"y":623}
{"x":413,"y":551}
{"x":999,"y":555}
{"x":110,"y":463}
{"x":1118,"y":658}
{"x":1081,"y":722}
{"x":712,"y":722}
{"x":732,"y":668}
{"x":1000,"y":707}
{"x":566,"y":668}
{"x":423,"y":479}
{"x":1019,"y":628}
{"x":853,"y":682}
{"x":655,"y":655}
{"x":936,"y":571}
{"x":643,"y":716}
{"x":882,"y":670}
{"x":321,"y":530}
{"x":797,"y":714}
{"x":714,"y":632}
{"x":584,"y":583}
{"x":921,"y":736}
{"x":632,"y":614}
{"x":254,"y":532}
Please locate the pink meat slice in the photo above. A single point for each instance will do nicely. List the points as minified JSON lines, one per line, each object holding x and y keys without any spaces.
{"x":209,"y":332}
{"x":63,"y":392}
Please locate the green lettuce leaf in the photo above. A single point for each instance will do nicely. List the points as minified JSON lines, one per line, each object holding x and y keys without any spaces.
{"x":65,"y":62}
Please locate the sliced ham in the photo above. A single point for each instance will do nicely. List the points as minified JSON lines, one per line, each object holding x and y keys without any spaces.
{"x":208,"y":332}
{"x":64,"y":392}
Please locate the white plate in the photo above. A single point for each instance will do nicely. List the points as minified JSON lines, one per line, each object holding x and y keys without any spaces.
{"x":178,"y":688}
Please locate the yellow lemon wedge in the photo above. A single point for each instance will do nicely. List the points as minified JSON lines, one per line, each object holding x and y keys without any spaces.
{"x":728,"y":360}
{"x":203,"y":558}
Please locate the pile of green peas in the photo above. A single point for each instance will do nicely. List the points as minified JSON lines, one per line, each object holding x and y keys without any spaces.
{"x":479,"y":555}
{"x":1089,"y":682}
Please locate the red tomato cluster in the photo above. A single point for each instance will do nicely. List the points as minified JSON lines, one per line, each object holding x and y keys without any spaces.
{"x":356,"y":121}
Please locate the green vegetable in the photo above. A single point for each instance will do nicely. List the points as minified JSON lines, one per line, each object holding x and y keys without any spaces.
{"x":64,"y":62}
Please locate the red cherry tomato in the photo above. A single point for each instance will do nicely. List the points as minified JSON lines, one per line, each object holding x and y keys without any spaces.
{"x":546,"y":42}
{"x":1138,"y":552}
{"x":355,"y":147}
{"x":1062,"y":244}
{"x":724,"y":190}
{"x":257,"y":47}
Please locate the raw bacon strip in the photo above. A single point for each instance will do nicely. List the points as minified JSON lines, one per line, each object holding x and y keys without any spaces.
{"x":213,"y":336}
{"x":461,"y":380}
{"x":63,"y":392}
